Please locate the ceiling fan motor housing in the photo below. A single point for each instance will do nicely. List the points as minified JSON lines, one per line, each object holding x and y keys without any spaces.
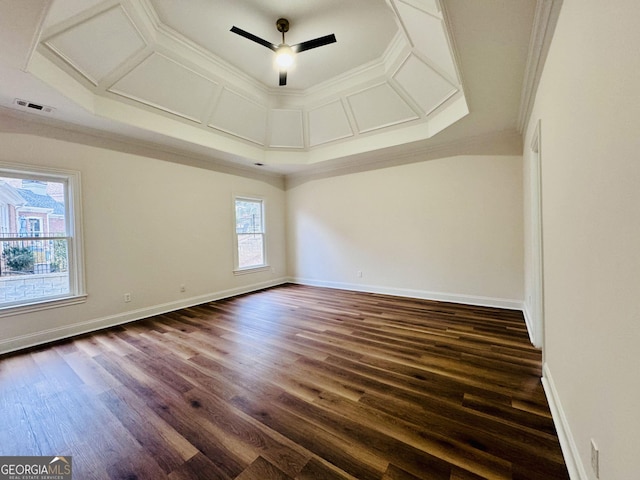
{"x":283,"y":25}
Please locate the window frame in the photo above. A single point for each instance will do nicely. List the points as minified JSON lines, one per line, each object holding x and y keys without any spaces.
{"x":237,"y":270}
{"x":75,"y":244}
{"x":38,"y":220}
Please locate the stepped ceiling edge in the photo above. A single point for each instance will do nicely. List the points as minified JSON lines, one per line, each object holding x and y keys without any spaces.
{"x":419,"y":74}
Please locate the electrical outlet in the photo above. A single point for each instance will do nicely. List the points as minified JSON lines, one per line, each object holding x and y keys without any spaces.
{"x":359,"y":273}
{"x":183,"y":288}
{"x":595,"y":459}
{"x":127,"y":297}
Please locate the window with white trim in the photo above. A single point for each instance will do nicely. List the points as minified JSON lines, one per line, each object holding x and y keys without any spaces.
{"x":249,"y":233}
{"x":40,"y":239}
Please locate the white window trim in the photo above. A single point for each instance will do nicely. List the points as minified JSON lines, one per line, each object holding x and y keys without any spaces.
{"x":246,"y":270}
{"x":236,"y":260}
{"x":73,"y":197}
{"x":36,"y":306}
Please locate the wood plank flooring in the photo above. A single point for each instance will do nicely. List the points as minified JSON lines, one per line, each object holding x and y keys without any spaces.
{"x":291,"y":382}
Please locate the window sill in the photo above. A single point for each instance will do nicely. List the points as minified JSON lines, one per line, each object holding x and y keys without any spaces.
{"x":245,"y":271}
{"x":36,"y":306}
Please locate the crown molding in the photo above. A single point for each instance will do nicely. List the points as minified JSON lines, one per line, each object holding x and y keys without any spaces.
{"x":16,"y":122}
{"x":507,"y":142}
{"x":544,"y":25}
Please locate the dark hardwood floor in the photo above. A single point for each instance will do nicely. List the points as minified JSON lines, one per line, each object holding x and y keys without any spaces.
{"x":292,"y":382}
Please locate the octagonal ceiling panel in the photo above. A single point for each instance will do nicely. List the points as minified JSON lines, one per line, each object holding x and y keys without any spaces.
{"x":392,"y":66}
{"x":414,"y":74}
{"x":286,"y":129}
{"x":100,"y":44}
{"x":329,"y":123}
{"x":169,"y":86}
{"x":207,"y":23}
{"x":240,"y":116}
{"x":428,"y":36}
{"x":378,"y":107}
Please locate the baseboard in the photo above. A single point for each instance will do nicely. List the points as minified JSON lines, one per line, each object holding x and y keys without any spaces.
{"x":54,"y":334}
{"x":567,"y":443}
{"x":423,"y":294}
{"x":46,"y":336}
{"x":528,"y":320}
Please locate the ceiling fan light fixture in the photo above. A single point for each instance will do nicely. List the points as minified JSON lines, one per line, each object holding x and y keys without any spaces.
{"x":284,"y":56}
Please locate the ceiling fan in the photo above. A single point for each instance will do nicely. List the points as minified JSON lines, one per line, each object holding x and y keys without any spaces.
{"x":285,"y":53}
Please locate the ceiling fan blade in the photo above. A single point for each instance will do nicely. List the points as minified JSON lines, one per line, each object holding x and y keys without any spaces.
{"x":283,"y":78}
{"x":315,"y":43}
{"x":253,"y":38}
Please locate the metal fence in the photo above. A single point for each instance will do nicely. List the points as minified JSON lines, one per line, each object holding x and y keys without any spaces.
{"x":30,"y":256}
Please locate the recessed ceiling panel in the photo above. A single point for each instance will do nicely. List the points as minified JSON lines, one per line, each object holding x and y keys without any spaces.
{"x":427,"y":34}
{"x":240,"y":116}
{"x":165,"y":84}
{"x":379,"y":107}
{"x":423,"y":84}
{"x":99,"y":45}
{"x":286,"y":129}
{"x":207,"y":24}
{"x":328,"y":123}
{"x":391,"y":65}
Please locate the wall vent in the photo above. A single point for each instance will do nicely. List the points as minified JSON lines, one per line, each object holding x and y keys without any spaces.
{"x":32,"y":106}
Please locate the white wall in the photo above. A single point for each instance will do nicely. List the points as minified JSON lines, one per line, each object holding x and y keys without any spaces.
{"x":446,"y":229}
{"x":589,"y":108}
{"x":149,"y":226}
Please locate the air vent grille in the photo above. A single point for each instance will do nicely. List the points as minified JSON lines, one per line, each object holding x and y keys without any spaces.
{"x":32,"y":106}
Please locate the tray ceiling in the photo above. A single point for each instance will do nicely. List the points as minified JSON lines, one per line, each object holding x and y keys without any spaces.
{"x":178,"y":71}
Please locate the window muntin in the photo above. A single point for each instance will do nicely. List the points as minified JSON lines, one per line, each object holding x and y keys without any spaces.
{"x":250,"y":233}
{"x":40,"y":243}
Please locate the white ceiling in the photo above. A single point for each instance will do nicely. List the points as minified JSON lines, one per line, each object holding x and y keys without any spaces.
{"x":349,"y":21}
{"x":402,"y":73}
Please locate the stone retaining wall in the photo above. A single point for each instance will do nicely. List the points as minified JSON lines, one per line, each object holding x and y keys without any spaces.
{"x":26,"y":287}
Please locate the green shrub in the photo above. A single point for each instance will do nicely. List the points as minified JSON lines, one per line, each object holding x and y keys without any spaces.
{"x":59,"y":262}
{"x":19,"y":259}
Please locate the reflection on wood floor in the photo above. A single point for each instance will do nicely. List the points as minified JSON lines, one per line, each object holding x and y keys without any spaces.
{"x":292,"y":382}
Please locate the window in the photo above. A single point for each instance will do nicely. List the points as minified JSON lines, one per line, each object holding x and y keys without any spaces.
{"x":250,"y":236}
{"x":40,"y":242}
{"x":34,"y":227}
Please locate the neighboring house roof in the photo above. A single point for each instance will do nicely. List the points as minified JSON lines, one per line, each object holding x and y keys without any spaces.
{"x":41,"y":201}
{"x":9,"y":194}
